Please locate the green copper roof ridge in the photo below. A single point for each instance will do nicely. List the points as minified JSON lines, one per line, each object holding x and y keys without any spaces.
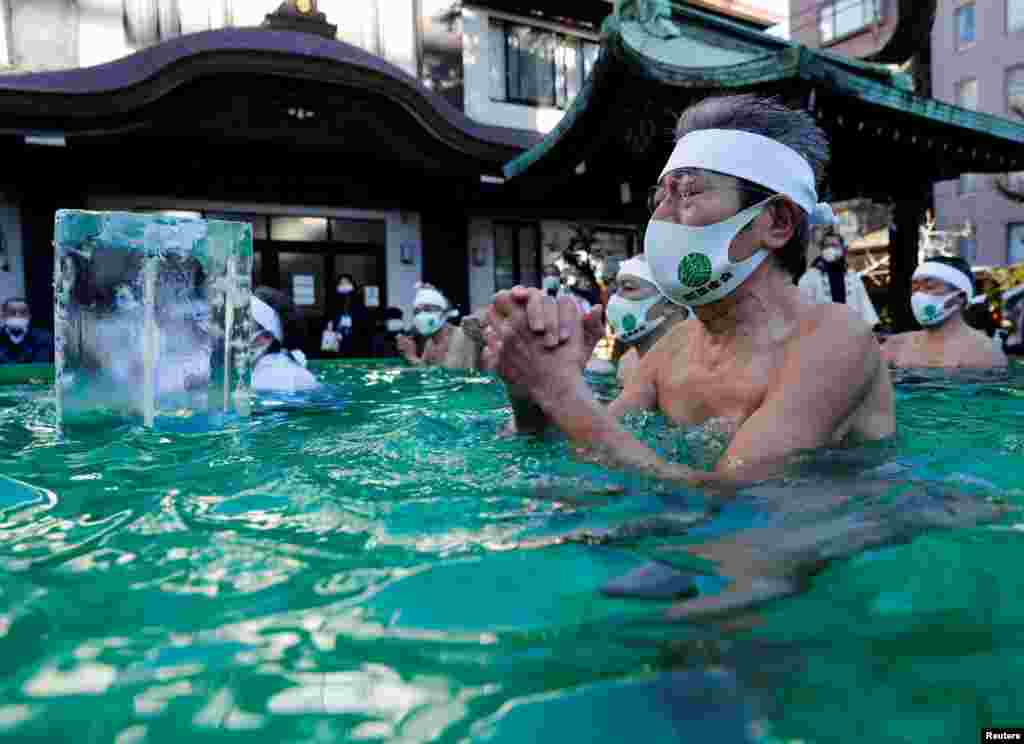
{"x":870,"y":82}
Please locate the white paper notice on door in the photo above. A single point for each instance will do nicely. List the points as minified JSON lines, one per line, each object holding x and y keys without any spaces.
{"x":371,"y":296}
{"x":303,"y":289}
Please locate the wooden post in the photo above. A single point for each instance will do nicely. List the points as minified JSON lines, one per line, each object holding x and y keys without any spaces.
{"x":908,"y":215}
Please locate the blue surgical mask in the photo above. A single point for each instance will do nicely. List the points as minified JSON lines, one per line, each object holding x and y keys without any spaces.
{"x":428,"y":323}
{"x":931,"y":310}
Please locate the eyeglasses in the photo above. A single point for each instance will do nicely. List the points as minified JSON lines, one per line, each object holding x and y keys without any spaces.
{"x":697,"y":183}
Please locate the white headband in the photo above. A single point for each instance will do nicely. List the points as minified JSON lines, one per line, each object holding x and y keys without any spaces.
{"x":266,"y":317}
{"x":946,"y":273}
{"x":636,"y":266}
{"x":754,"y":158}
{"x":430,"y":296}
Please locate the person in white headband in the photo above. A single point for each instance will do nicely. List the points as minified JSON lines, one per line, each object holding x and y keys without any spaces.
{"x":277,"y":366}
{"x":941,"y":289}
{"x":732,"y":211}
{"x":438,"y":343}
{"x":639,"y":314}
{"x":764,"y":369}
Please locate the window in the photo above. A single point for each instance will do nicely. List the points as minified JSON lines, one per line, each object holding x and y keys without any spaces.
{"x":516,"y":255}
{"x":537,"y":67}
{"x":258,"y":222}
{"x":968,"y":249}
{"x":305,"y":229}
{"x":1014,"y":15}
{"x":964,"y":25}
{"x":1015,"y":242}
{"x":1015,"y":91}
{"x":843,"y":17}
{"x":967,"y":94}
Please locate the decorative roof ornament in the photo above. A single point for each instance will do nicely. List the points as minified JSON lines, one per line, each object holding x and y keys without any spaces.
{"x":656,"y":16}
{"x":302,"y":16}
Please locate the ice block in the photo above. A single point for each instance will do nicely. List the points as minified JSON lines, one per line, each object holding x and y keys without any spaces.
{"x":151,"y":313}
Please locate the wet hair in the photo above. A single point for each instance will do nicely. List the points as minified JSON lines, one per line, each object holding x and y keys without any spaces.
{"x":769,"y":117}
{"x":285,"y":309}
{"x":11,"y":300}
{"x":960,"y":265}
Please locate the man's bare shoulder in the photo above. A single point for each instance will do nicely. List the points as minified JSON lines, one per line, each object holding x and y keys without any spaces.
{"x":981,"y":351}
{"x":899,"y":340}
{"x":837,"y":320}
{"x":670,"y":352}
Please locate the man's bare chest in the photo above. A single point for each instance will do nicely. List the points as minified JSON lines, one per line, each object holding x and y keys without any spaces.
{"x":436,"y":351}
{"x":703,"y":389}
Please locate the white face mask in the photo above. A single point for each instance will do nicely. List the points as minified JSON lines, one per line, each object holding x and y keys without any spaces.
{"x":345,"y":288}
{"x":551,"y":283}
{"x":931,"y":310}
{"x":628,"y":318}
{"x":16,"y":329}
{"x":428,"y":323}
{"x":831,"y":254}
{"x":691,"y":265}
{"x":395,"y":325}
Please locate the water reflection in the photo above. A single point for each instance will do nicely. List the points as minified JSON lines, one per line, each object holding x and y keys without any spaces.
{"x":364,"y":574}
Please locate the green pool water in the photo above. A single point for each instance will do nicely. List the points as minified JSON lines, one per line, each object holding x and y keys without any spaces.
{"x":355,"y":570}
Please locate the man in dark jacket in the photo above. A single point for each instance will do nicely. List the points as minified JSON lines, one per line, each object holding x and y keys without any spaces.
{"x":19,"y":342}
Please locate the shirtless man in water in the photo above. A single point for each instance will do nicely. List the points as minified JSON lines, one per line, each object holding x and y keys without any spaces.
{"x":444,"y":345}
{"x":941,"y":289}
{"x":728,"y":236}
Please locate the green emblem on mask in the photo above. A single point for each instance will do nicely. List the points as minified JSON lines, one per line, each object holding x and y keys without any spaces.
{"x":694,"y":270}
{"x":629,"y":324}
{"x":930,"y":311}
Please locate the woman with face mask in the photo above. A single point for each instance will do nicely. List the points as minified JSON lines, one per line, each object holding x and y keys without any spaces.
{"x":829,"y":279}
{"x":941,"y":289}
{"x":349,"y":328}
{"x":276,"y":365}
{"x":438,"y":343}
{"x":639,"y":314}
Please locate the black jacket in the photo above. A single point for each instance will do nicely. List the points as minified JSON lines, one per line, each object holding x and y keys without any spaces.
{"x":37,"y":348}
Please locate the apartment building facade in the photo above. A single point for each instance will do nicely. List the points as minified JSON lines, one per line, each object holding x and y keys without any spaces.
{"x":978,"y":64}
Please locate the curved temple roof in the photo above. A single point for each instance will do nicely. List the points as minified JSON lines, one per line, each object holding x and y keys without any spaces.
{"x":685,"y":54}
{"x":77,"y":101}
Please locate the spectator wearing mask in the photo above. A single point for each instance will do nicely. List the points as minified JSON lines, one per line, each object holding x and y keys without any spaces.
{"x":639,"y":314}
{"x":942,"y":287}
{"x":551,"y":282}
{"x":20,"y":343}
{"x":442,"y":344}
{"x":349,"y":321}
{"x":830,"y":280}
{"x":277,"y":367}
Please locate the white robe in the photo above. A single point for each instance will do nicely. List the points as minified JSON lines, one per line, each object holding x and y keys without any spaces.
{"x":280,"y":373}
{"x":815,"y":286}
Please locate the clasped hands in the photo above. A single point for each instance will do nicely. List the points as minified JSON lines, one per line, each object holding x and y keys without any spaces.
{"x":537,"y":343}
